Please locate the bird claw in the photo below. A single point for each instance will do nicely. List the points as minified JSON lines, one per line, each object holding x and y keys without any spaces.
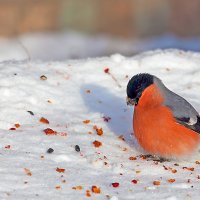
{"x":155,"y":158}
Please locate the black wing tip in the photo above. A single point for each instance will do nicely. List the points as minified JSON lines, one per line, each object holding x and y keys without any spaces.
{"x":185,"y":120}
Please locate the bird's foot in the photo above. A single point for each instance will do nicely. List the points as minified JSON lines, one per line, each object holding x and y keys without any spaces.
{"x":155,"y":158}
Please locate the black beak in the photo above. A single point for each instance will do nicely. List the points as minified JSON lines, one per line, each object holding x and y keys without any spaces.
{"x":130,"y":101}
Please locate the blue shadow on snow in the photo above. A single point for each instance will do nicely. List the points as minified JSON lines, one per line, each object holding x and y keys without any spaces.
{"x":103,"y":101}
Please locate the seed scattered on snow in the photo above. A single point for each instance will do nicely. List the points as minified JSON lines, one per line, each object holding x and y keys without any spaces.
{"x":77,"y":148}
{"x":157,"y":183}
{"x":88,"y":194}
{"x":134,"y":181}
{"x":50,"y":150}
{"x":88,"y":91}
{"x":30,"y":112}
{"x":115,"y":185}
{"x":106,"y":70}
{"x":99,"y":131}
{"x":79,"y":187}
{"x":7,"y":147}
{"x":43,"y":77}
{"x":87,"y":121}
{"x":171,"y":180}
{"x":132,"y":158}
{"x":60,"y":170}
{"x":28,"y":172}
{"x":49,"y":131}
{"x":58,"y":187}
{"x":96,"y":189}
{"x":17,"y":125}
{"x":106,"y":118}
{"x":189,"y":168}
{"x":97,"y":143}
{"x":172,"y":170}
{"x":121,"y":137}
{"x":44,"y":120}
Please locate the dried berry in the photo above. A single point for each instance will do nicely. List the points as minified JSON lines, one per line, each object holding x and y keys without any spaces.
{"x":99,"y":131}
{"x":96,"y":189}
{"x":157,"y":183}
{"x":189,"y":168}
{"x":79,"y":187}
{"x":17,"y":125}
{"x":106,"y":119}
{"x":88,"y":193}
{"x":7,"y":147}
{"x":49,"y":131}
{"x":87,"y":121}
{"x":134,"y":181}
{"x":106,"y":70}
{"x":28,"y":172}
{"x":171,"y":180}
{"x":88,"y":91}
{"x":121,"y":137}
{"x":60,"y":170}
{"x":97,"y":143}
{"x":115,"y":184}
{"x":174,"y":171}
{"x":77,"y":148}
{"x":132,"y":158}
{"x":44,"y":120}
{"x":58,"y":187}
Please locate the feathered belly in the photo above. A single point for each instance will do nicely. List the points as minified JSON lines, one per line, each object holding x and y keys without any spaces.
{"x":158,"y":133}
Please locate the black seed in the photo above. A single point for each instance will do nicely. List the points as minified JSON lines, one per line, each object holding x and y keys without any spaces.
{"x":176,"y":164}
{"x":50,"y":150}
{"x":30,"y":112}
{"x":77,"y":148}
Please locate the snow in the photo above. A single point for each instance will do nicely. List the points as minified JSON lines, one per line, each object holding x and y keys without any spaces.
{"x":79,"y":90}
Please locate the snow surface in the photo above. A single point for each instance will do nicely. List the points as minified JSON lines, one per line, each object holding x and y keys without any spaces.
{"x":79,"y":90}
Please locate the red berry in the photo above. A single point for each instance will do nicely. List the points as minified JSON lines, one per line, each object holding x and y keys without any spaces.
{"x":134,"y":181}
{"x":106,"y":70}
{"x":115,"y":184}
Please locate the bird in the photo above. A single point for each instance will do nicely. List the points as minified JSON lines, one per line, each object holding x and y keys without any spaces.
{"x":165,"y":125}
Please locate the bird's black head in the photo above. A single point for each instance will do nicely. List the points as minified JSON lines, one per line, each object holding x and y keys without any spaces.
{"x":136,"y":86}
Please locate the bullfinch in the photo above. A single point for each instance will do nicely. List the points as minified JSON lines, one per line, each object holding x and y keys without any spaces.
{"x":164,"y":123}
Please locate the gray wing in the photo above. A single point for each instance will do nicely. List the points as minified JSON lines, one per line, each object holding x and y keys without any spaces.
{"x":183,"y":111}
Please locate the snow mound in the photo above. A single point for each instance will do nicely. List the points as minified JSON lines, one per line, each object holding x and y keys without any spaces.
{"x":66,"y":132}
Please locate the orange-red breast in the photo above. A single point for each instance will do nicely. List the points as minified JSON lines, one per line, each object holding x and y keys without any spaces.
{"x":164,"y":123}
